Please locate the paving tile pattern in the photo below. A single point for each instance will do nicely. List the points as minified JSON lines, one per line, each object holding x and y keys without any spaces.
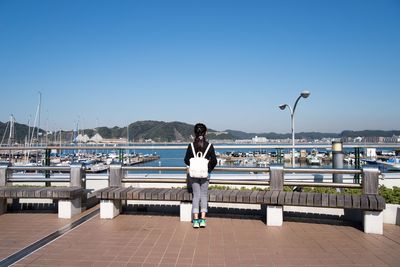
{"x":18,"y":230}
{"x":144,"y":240}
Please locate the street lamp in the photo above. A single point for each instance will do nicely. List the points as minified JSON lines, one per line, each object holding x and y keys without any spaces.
{"x":303,"y":94}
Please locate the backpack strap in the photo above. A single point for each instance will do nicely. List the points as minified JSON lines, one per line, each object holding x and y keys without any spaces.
{"x":194,"y":151}
{"x":205,"y":153}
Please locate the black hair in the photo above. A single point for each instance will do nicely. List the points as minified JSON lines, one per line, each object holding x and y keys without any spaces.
{"x":200,"y":131}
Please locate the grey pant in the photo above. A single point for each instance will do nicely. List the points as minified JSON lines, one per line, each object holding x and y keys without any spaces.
{"x":200,"y":194}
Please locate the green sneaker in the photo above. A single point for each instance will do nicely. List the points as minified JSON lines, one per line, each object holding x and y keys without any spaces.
{"x":202,"y":223}
{"x":196,"y":224}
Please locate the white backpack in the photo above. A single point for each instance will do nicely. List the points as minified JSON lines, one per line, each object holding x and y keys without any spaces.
{"x":198,"y":167}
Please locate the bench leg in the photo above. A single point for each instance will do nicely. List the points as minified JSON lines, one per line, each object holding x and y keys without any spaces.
{"x":3,"y":205}
{"x":67,"y":208}
{"x":109,"y":209}
{"x":274,"y":215}
{"x":373,"y":222}
{"x":185,"y":212}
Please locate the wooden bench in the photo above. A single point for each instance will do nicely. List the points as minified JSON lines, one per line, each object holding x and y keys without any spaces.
{"x":274,"y":199}
{"x":308,"y":199}
{"x":69,"y":198}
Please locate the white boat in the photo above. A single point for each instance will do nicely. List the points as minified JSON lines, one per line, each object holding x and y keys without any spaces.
{"x":314,"y":158}
{"x":393,"y":164}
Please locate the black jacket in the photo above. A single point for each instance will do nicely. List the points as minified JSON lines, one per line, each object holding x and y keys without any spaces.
{"x":212,"y":159}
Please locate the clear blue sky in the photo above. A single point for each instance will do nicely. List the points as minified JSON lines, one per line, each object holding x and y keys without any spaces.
{"x":226,"y":63}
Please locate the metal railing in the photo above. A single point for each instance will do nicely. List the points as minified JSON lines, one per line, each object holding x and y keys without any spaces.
{"x":273,"y":176}
{"x":75,"y":174}
{"x":264,"y":177}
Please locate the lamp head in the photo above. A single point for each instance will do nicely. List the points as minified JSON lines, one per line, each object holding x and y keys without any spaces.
{"x":283,"y":106}
{"x":305,"y":94}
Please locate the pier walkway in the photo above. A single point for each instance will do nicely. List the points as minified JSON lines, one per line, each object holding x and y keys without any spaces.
{"x":146,"y":239}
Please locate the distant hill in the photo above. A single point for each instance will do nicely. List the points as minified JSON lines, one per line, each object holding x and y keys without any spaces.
{"x":175,"y":131}
{"x":20,"y":130}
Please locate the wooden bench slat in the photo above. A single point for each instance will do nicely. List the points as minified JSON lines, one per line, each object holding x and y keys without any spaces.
{"x":296,"y":199}
{"x":260,"y":197}
{"x":274,"y":197}
{"x":303,"y":199}
{"x":155,"y":195}
{"x":340,"y":201}
{"x":373,"y":203}
{"x":332,"y":201}
{"x":212,"y":195}
{"x":253,"y":196}
{"x":364,"y":202}
{"x":267,"y":197}
{"x":281,"y":197}
{"x":225,"y":195}
{"x":220,"y":195}
{"x":246,"y":196}
{"x":317,"y":199}
{"x":348,"y":203}
{"x":232,"y":196}
{"x":310,"y":199}
{"x":356,"y":201}
{"x":180,"y":194}
{"x":174,"y":193}
{"x":381,"y":202}
{"x":288,"y":198}
{"x":324,"y":200}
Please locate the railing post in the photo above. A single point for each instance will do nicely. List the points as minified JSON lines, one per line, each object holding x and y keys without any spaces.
{"x":4,"y":172}
{"x":116,"y":174}
{"x":274,"y":213}
{"x":276,"y":177}
{"x":78,"y":175}
{"x":370,"y":181}
{"x":47,"y":163}
{"x":373,"y":220}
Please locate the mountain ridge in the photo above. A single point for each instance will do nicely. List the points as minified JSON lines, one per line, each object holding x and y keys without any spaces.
{"x":175,"y":131}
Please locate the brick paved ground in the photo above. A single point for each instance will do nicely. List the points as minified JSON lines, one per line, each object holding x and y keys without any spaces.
{"x":148,"y":240}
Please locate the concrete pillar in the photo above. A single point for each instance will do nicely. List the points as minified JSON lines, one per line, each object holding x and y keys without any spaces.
{"x":67,"y":208}
{"x":373,"y":222}
{"x":110,"y":209}
{"x":337,"y":160}
{"x":274,"y":215}
{"x":185,"y":211}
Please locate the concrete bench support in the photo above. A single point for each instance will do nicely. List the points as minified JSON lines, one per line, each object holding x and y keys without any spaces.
{"x":185,"y":212}
{"x":373,"y":222}
{"x":67,"y":208}
{"x":274,"y":215}
{"x":110,"y":209}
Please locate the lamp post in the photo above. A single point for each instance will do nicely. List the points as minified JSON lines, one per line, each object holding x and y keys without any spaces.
{"x":303,"y":94}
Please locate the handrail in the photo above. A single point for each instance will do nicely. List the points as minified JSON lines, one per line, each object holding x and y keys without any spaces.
{"x":264,"y":181}
{"x":325,"y":170}
{"x":182,"y":147}
{"x":219,"y":169}
{"x":39,"y":168}
{"x":37,"y":179}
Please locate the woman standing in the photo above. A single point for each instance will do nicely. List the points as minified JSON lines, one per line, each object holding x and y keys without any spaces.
{"x":200,"y":185}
